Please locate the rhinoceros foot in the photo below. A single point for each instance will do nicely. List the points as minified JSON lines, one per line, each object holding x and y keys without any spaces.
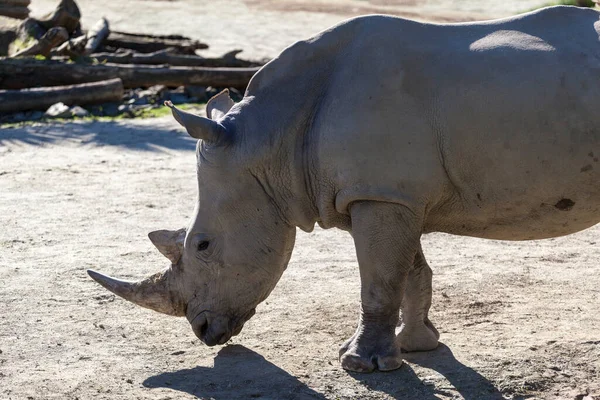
{"x":359,"y":354}
{"x":417,"y":337}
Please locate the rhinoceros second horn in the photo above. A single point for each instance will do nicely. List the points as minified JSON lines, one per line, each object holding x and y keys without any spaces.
{"x":169,"y":243}
{"x":153,"y":292}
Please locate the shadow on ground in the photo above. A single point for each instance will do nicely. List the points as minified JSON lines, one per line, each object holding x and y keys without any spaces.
{"x":142,"y":134}
{"x":238,"y":373}
{"x":403,"y":383}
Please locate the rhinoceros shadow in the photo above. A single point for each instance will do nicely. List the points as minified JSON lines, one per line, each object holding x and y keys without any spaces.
{"x":238,"y":373}
{"x":403,"y":383}
{"x":134,"y":135}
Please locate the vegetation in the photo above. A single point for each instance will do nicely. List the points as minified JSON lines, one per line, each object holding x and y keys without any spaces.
{"x":578,"y":3}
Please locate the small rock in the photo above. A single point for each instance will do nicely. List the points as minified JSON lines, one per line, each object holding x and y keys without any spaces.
{"x":178,"y":353}
{"x":129,"y":381}
{"x":35,"y":115}
{"x":176,"y":96}
{"x":141,"y":101}
{"x":211,"y":91}
{"x":196,"y":92}
{"x":108,"y":109}
{"x":77,"y":111}
{"x":58,"y":110}
{"x":124,"y":108}
{"x":152,"y":94}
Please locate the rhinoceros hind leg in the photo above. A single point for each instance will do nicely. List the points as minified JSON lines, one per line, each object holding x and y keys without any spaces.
{"x":386,"y":237}
{"x":416,"y":332}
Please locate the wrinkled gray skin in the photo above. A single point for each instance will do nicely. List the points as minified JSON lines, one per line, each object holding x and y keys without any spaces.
{"x":389,"y":129}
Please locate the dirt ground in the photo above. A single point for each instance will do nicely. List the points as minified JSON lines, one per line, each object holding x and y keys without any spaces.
{"x":517,"y":319}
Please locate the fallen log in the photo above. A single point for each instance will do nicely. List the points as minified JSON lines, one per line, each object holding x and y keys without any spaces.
{"x":54,"y":37}
{"x":24,"y":73}
{"x":168,"y":57}
{"x":96,"y":35}
{"x":84,"y":44}
{"x":17,"y":12}
{"x":21,"y":3}
{"x":149,"y":44}
{"x":28,"y":73}
{"x":149,"y":36}
{"x":43,"y":97}
{"x":134,"y":76}
{"x":71,"y":48}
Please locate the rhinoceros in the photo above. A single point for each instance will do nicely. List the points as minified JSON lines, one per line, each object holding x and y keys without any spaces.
{"x":389,"y":129}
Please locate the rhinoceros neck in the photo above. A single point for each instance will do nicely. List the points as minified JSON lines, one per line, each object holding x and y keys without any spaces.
{"x":278,"y":146}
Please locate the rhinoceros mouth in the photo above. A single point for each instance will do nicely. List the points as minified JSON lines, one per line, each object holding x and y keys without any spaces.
{"x":213,"y":329}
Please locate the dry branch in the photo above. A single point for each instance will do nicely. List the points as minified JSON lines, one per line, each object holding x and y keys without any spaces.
{"x":96,"y":35}
{"x":23,"y":73}
{"x":134,"y":76}
{"x":168,"y":57}
{"x":149,"y":43}
{"x":47,"y":42}
{"x":72,"y":48}
{"x":43,"y":97}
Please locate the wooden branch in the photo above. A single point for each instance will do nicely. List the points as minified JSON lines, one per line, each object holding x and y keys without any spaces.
{"x":96,"y":35}
{"x":18,"y":12}
{"x":134,"y":76}
{"x":43,"y":97}
{"x":28,"y":73}
{"x":23,"y":73}
{"x":71,"y":48}
{"x":54,"y":37}
{"x":149,"y":36}
{"x":167,"y":57}
{"x":149,"y":44}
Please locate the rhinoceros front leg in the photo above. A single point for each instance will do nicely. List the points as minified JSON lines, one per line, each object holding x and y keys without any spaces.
{"x":416,"y":332}
{"x":386,"y":237}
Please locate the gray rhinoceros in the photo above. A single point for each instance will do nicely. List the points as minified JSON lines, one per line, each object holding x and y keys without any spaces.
{"x":386,"y":128}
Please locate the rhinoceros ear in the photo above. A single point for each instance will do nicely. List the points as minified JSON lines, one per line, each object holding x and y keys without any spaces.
{"x":198,"y":127}
{"x":219,"y":105}
{"x":169,"y":243}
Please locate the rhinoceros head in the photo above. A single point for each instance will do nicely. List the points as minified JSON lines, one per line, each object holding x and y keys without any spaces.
{"x":235,"y":248}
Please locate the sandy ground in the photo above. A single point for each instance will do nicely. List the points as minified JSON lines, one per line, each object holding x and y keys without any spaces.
{"x":518,"y":320}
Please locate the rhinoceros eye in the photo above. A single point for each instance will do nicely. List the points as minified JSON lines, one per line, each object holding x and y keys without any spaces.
{"x":203,"y":245}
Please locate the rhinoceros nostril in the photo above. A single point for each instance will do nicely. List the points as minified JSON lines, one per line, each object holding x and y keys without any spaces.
{"x":200,"y":326}
{"x":203,"y":328}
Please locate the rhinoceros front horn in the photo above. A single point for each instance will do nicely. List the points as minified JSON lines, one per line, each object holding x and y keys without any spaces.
{"x":154,"y":292}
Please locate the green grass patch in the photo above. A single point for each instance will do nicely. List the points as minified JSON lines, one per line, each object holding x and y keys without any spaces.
{"x":154,"y":112}
{"x":578,"y":3}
